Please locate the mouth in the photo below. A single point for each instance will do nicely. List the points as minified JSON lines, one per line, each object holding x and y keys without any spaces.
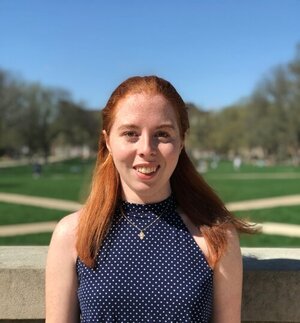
{"x":146,"y":170}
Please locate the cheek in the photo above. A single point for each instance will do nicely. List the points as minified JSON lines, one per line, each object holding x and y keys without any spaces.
{"x":171,"y":152}
{"x":122,"y":154}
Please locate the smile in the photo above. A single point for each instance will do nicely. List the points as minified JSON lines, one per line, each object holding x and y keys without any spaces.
{"x":146,"y":170}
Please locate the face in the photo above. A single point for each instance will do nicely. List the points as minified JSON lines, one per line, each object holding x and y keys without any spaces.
{"x":145,"y":144}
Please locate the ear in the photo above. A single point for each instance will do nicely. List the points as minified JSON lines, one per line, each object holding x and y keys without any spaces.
{"x":106,"y":138}
{"x":181,"y":145}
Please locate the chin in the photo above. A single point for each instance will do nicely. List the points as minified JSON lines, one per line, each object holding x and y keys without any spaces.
{"x":153,"y":192}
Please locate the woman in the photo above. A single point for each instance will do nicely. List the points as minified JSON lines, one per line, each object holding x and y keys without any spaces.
{"x":153,"y":243}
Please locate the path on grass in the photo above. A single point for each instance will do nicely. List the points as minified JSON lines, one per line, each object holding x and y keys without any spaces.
{"x":71,"y":206}
{"x":255,"y":176}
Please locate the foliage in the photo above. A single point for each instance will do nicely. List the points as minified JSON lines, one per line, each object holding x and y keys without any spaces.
{"x":33,"y":118}
{"x":266,"y":125}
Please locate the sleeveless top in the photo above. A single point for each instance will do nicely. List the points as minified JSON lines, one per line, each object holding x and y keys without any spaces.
{"x":163,"y":277}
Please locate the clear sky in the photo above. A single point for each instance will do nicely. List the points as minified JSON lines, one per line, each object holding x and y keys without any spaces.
{"x":214,"y":52}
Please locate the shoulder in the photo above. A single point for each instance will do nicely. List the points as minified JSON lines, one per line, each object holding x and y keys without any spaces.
{"x":66,"y":228}
{"x":228,"y":272}
{"x":230,"y":263}
{"x":233,"y":249}
{"x":64,"y":235}
{"x":67,"y":225}
{"x":61,"y":277}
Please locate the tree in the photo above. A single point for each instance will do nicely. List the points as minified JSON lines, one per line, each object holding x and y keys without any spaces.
{"x":229,"y":130}
{"x":77,"y":126}
{"x":200,"y":127}
{"x":294,"y":116}
{"x":10,"y":98}
{"x":39,"y":109}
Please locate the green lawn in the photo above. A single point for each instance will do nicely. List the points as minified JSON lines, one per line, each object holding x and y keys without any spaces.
{"x":225,"y":167}
{"x":287,"y":214}
{"x":37,"y":239}
{"x":70,"y":180}
{"x":237,"y":190}
{"x":14,"y":214}
{"x":66,"y":180}
{"x":268,"y":240}
{"x":252,"y":182}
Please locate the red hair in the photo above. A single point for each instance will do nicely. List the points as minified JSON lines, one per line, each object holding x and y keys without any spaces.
{"x":193,"y":195}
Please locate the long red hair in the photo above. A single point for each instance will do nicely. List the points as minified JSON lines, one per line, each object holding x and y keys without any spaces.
{"x":193,"y":195}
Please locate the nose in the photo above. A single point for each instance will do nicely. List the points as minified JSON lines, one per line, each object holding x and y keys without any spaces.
{"x":147,"y":146}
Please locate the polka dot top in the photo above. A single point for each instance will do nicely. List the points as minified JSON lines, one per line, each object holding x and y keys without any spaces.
{"x":161,"y":277}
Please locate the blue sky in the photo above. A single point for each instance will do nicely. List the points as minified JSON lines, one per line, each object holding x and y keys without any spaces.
{"x":214,"y":52}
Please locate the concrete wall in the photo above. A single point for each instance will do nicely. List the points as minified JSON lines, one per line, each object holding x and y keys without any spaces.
{"x":271,"y":291}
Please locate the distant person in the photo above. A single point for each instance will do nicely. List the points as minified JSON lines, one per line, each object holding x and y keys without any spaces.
{"x":153,"y":242}
{"x":237,"y":162}
{"x":202,"y":166}
{"x":215,"y":162}
{"x":37,"y":169}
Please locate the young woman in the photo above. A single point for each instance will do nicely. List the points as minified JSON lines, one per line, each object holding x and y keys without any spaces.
{"x":153,"y":243}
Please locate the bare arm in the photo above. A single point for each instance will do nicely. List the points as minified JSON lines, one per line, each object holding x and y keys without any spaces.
{"x":61,"y":279}
{"x":228,"y":274}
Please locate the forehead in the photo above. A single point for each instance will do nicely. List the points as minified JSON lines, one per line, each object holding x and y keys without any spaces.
{"x":144,"y":107}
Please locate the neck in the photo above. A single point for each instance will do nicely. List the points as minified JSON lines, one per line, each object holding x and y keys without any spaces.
{"x":144,"y":199}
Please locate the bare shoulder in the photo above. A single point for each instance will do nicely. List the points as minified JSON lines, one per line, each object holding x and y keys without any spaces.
{"x":231,"y":259}
{"x":232,"y":251}
{"x":67,"y":226}
{"x":228,"y":272}
{"x":61,"y":277}
{"x":232,"y":232}
{"x":233,"y":241}
{"x":64,"y":235}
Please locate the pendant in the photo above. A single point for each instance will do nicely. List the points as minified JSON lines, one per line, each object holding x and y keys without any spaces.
{"x":141,"y":235}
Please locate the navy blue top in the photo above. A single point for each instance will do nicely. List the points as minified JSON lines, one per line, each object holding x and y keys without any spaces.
{"x":161,"y":278}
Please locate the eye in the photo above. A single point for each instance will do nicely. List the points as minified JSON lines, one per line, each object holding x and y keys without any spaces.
{"x":162,"y":134}
{"x":130,"y":134}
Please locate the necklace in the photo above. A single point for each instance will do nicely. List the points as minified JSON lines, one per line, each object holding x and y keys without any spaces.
{"x":142,"y":230}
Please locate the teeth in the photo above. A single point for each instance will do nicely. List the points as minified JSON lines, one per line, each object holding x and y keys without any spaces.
{"x":146,"y":170}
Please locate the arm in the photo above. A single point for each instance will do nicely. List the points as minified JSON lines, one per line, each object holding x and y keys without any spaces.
{"x":61,"y":279}
{"x":228,"y":274}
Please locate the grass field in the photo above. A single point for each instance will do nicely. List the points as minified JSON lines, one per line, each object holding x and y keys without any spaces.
{"x":67,"y":180}
{"x":70,"y":180}
{"x":252,"y":182}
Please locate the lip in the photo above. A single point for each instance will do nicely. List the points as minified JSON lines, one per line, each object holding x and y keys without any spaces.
{"x":145,"y":175}
{"x":145,"y":165}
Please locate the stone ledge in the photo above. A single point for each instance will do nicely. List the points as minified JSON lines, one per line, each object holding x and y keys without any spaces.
{"x":22,"y":282}
{"x":271,"y":286}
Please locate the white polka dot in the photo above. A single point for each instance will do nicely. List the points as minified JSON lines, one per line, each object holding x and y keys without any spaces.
{"x":162,"y":278}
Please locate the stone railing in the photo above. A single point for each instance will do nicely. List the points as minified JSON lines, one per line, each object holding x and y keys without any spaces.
{"x":271,"y":291}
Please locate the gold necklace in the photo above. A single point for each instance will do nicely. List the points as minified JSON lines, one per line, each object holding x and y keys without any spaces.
{"x":142,"y":230}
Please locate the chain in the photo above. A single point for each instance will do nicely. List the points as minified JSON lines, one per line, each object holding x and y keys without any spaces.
{"x":141,"y":234}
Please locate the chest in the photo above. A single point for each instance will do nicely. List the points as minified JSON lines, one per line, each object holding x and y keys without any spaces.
{"x":165,"y":276}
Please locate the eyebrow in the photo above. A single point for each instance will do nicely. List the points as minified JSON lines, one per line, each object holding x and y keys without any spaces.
{"x":167,"y":125}
{"x":133,"y":126}
{"x":127,"y":126}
